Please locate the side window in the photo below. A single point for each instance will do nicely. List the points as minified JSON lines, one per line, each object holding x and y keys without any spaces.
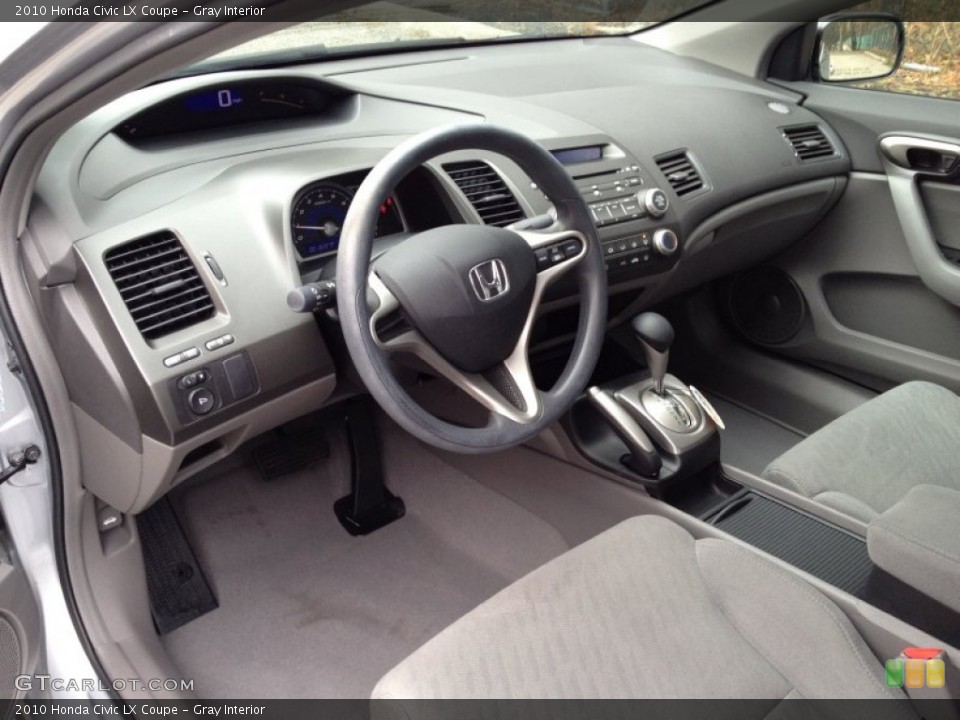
{"x":931,"y":60}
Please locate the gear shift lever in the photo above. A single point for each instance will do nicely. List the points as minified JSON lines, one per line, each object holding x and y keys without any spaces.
{"x":655,"y":334}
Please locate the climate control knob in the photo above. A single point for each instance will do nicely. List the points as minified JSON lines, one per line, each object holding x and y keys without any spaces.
{"x":666,"y":242}
{"x":654,"y":201}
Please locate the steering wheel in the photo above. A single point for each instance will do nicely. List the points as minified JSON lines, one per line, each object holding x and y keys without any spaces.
{"x":463,"y":298}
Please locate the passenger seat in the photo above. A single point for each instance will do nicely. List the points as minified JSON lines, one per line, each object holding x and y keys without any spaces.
{"x":866,"y":461}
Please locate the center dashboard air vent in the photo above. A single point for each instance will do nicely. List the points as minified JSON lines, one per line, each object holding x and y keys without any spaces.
{"x":809,"y":142}
{"x":159,"y":284}
{"x":681,"y":172}
{"x":487,"y":192}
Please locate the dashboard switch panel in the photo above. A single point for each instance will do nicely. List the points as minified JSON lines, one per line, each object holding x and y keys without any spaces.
{"x":206,"y":392}
{"x":644,"y":253}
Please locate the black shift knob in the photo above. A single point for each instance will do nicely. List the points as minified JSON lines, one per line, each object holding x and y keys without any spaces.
{"x":654,"y":330}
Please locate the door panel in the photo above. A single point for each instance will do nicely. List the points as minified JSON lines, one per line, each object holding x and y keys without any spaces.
{"x":19,"y":627}
{"x":857,"y":253}
{"x":881,"y":295}
{"x":881,"y":274}
{"x":942,"y":202}
{"x":860,"y":117}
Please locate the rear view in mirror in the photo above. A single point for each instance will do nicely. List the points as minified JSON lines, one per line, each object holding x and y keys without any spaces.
{"x":858,"y":46}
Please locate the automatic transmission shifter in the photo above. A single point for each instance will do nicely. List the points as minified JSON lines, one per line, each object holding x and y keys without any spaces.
{"x":655,"y":334}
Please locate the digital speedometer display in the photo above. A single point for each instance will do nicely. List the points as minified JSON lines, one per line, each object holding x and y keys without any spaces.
{"x":320,"y":211}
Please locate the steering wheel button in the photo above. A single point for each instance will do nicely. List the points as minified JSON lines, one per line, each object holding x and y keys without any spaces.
{"x":543,"y":259}
{"x":556,"y":256}
{"x":202,"y":401}
{"x":572,"y":248}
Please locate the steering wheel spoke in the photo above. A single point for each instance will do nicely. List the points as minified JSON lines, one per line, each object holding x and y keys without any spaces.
{"x":507,"y":389}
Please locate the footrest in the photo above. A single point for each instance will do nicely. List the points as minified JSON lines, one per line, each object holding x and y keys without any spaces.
{"x":178,"y":590}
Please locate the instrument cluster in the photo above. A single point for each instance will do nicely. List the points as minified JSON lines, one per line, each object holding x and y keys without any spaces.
{"x":319,"y":211}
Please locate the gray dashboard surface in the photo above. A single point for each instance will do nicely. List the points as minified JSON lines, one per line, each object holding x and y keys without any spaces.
{"x":228,"y":192}
{"x":646,"y":99}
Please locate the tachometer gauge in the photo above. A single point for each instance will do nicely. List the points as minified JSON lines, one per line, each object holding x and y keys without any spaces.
{"x":318,"y":217}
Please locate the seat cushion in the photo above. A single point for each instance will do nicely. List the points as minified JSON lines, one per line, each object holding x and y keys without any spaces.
{"x":864,"y":462}
{"x":646,"y":611}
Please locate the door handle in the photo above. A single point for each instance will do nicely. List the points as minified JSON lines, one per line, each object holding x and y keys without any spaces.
{"x":921,"y":155}
{"x":907,"y":161}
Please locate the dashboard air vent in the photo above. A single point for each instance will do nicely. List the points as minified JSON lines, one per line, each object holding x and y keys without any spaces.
{"x":680,"y":172}
{"x":809,"y":142}
{"x":487,"y":192}
{"x":159,"y":284}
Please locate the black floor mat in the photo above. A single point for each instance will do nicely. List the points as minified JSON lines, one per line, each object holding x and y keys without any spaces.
{"x":179,"y":592}
{"x":290,"y":450}
{"x":824,"y":551}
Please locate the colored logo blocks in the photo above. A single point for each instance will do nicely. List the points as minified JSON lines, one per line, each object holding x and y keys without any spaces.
{"x":917,"y":668}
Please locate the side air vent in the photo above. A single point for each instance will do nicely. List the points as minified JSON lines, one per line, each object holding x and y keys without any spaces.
{"x":159,"y":284}
{"x":809,"y":142}
{"x":679,"y":170}
{"x":487,"y":192}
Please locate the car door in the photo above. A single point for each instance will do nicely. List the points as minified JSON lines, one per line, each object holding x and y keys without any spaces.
{"x":19,"y":629}
{"x":880,"y":276}
{"x":23,"y":477}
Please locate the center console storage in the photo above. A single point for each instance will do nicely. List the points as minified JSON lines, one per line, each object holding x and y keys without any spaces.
{"x":806,"y":542}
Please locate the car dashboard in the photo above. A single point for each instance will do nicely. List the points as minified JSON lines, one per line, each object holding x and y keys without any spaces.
{"x":168,"y":227}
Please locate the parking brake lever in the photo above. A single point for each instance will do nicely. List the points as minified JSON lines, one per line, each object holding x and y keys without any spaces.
{"x":643,"y":458}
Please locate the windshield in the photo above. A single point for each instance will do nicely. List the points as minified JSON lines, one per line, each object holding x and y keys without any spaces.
{"x":384,"y":25}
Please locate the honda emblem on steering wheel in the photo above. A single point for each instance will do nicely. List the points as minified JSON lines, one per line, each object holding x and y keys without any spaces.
{"x":489,"y":279}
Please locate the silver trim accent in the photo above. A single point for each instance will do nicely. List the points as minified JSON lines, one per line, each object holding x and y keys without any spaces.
{"x":616,"y":413}
{"x":896,"y":147}
{"x":517,"y":364}
{"x":707,"y":407}
{"x":646,"y":197}
{"x":661,"y":239}
{"x":673,"y":442}
{"x":489,"y":280}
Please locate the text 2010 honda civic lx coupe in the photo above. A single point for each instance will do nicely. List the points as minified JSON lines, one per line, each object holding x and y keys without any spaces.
{"x":403,"y":354}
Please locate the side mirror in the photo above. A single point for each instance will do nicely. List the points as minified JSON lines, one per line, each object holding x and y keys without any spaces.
{"x":858,"y":46}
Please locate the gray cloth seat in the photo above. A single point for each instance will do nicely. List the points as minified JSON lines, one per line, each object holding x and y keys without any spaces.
{"x":645,"y":611}
{"x":864,"y":462}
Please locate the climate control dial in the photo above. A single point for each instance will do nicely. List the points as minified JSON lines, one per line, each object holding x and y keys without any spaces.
{"x":654,"y":201}
{"x":666,"y":242}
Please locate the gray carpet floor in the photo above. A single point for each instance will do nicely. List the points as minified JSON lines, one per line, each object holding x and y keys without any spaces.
{"x":751,"y":441}
{"x":306,"y":610}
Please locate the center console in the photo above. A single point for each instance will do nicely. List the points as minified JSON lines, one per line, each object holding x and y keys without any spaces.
{"x":669,"y":430}
{"x":635,"y":221}
{"x":652,"y":429}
